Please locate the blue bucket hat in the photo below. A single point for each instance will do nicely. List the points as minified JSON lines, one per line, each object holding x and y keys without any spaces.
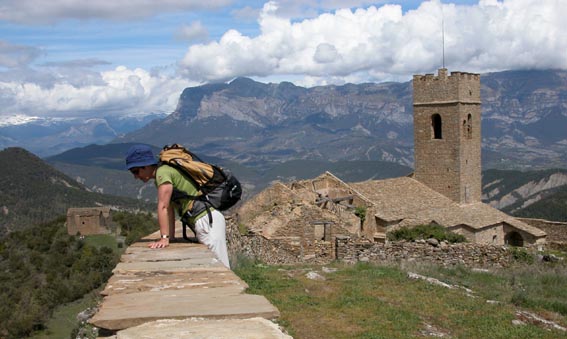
{"x":140,"y":156}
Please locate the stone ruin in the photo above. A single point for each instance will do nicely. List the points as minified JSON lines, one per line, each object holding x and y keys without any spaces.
{"x":89,"y":220}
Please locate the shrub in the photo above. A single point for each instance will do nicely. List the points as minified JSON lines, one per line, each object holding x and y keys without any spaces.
{"x":135,"y":226}
{"x":242,"y":229}
{"x":361,"y":213}
{"x":426,"y":232}
{"x":521,"y":255}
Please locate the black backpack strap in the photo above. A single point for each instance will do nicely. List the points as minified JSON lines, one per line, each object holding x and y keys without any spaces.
{"x":186,"y":224}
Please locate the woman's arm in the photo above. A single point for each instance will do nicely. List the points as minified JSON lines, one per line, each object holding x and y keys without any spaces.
{"x":166,"y":217}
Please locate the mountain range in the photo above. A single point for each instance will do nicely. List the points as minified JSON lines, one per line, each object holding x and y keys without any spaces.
{"x":49,"y":136}
{"x":523,"y":122}
{"x":252,"y":123}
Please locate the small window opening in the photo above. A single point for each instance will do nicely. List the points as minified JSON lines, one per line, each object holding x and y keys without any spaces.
{"x":469,"y":127}
{"x":436,"y":125}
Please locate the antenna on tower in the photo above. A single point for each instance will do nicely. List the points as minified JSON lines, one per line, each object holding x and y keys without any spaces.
{"x":443,"y":33}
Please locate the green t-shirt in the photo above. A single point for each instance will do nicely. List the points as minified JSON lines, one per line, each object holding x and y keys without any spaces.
{"x":168,"y":174}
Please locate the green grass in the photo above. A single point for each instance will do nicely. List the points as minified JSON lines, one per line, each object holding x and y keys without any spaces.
{"x":101,"y":240}
{"x":542,"y":288}
{"x":370,"y":301}
{"x":64,"y":318}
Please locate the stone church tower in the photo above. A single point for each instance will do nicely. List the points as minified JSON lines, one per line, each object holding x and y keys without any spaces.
{"x":446,"y":116}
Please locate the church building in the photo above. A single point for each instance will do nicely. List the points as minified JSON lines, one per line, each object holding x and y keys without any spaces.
{"x":445,"y":188}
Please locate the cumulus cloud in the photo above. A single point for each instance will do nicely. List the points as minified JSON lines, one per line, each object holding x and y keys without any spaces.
{"x":383,"y":43}
{"x":193,"y":32}
{"x":119,"y":91}
{"x":42,"y":12}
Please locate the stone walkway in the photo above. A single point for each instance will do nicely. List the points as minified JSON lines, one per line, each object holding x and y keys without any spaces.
{"x":181,"y":291}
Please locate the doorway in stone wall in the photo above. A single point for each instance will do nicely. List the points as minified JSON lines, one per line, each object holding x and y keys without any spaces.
{"x":514,"y":239}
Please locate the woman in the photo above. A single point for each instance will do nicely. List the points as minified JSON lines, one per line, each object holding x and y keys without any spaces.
{"x":142,"y":163}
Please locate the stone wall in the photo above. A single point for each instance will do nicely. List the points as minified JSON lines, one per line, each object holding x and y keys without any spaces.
{"x":467,"y":254}
{"x":345,"y":248}
{"x":556,"y":232}
{"x":289,"y":250}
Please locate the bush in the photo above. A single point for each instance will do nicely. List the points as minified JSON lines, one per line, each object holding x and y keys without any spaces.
{"x":361,"y":213}
{"x":242,"y":229}
{"x":426,"y":232}
{"x":46,"y":267}
{"x":521,"y":255}
{"x":135,"y":226}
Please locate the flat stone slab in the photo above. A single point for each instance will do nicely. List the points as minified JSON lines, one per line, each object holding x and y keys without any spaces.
{"x":254,"y":328}
{"x":159,"y":281}
{"x":189,"y":265}
{"x":173,"y":252}
{"x":120,"y":311}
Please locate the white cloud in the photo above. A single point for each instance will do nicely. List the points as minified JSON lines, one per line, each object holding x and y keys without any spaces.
{"x":119,"y":91}
{"x":376,"y":44}
{"x":42,"y":12}
{"x":193,"y":32}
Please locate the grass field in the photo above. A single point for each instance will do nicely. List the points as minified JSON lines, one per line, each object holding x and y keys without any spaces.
{"x":371,"y":301}
{"x":64,"y":318}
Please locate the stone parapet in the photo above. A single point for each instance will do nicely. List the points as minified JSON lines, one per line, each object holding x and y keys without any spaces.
{"x":179,"y":290}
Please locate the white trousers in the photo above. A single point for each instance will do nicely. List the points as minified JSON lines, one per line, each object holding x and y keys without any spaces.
{"x":214,"y":236}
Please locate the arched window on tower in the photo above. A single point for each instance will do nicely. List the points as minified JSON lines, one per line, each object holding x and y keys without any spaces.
{"x":436,"y":126}
{"x":469,"y":127}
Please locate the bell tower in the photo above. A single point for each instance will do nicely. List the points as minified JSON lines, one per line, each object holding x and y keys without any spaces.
{"x":446,"y":117}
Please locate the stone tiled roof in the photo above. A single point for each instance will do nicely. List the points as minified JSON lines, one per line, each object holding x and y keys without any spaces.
{"x":407,"y":199}
{"x":400,"y":198}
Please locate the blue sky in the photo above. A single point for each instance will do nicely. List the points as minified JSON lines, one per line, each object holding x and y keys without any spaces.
{"x":76,"y":58}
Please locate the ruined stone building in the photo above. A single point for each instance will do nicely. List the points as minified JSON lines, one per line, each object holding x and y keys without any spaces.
{"x":89,"y":221}
{"x":445,"y":188}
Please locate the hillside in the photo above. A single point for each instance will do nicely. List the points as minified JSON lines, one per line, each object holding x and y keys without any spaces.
{"x":550,"y":207}
{"x":32,"y":191}
{"x":101,"y":169}
{"x":522,"y":193}
{"x":532,"y":194}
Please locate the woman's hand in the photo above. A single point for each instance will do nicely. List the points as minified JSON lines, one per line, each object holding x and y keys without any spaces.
{"x":162,"y":243}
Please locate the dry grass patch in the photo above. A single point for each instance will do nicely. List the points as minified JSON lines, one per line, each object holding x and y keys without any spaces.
{"x":370,"y":301}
